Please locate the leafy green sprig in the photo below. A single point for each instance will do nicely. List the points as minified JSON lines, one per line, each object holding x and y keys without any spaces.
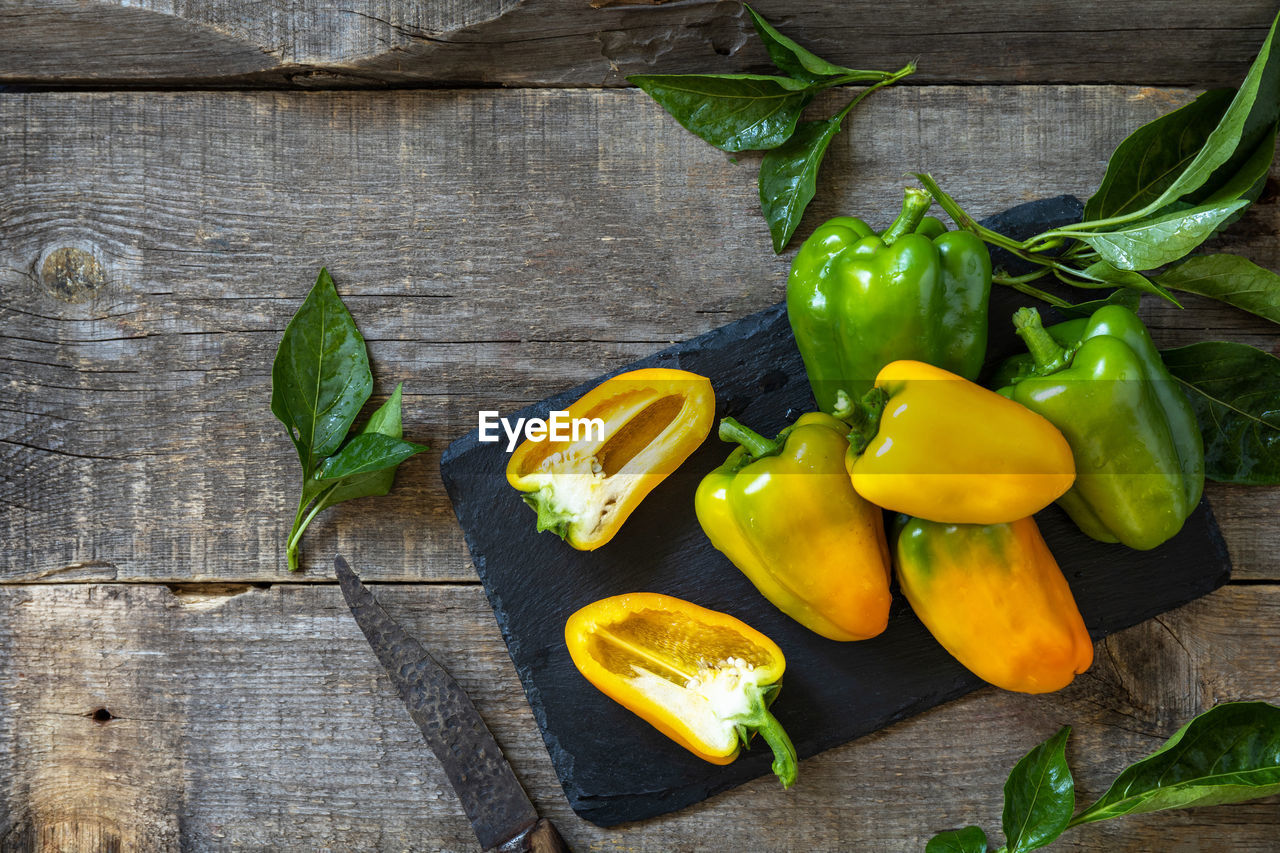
{"x":760,"y":112}
{"x":1169,"y":186}
{"x":319,"y":381}
{"x":1228,"y":754}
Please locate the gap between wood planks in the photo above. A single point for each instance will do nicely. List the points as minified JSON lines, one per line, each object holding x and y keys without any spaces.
{"x":248,"y":87}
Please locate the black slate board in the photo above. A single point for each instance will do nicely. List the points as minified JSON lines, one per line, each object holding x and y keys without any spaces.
{"x":616,"y":768}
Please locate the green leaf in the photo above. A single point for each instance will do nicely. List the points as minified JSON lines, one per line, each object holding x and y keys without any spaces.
{"x":794,"y":60}
{"x":1148,"y":161}
{"x":734,"y":112}
{"x":1247,"y":183}
{"x":1151,"y":243}
{"x":1039,"y":796}
{"x":320,"y":377}
{"x":319,"y":381}
{"x":1228,"y":278}
{"x":386,"y":420}
{"x":366,"y":453}
{"x":971,"y":839}
{"x":1235,"y":390}
{"x":1125,"y":296}
{"x":1228,"y":754}
{"x":1104,"y":274}
{"x":789,"y":177}
{"x":1250,"y":117}
{"x":1248,"y":180}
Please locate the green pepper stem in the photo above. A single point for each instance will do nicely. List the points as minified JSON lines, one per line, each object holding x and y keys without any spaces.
{"x":1048,"y":354}
{"x":889,"y":80}
{"x":759,"y":719}
{"x":1022,"y":284}
{"x":757,"y":445}
{"x":301,"y":522}
{"x":864,"y":418}
{"x":784,"y":751}
{"x":915,"y":204}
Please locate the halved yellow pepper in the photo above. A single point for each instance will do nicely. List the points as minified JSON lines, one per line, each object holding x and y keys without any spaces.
{"x":701,"y":677}
{"x":583,"y":489}
{"x":994,"y":597}
{"x":931,"y":444}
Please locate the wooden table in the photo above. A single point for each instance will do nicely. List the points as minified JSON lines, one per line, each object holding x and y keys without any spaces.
{"x":505,"y":219}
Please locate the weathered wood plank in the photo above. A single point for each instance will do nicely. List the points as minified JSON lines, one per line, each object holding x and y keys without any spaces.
{"x":246,"y":718}
{"x":565,"y":42}
{"x":135,"y":436}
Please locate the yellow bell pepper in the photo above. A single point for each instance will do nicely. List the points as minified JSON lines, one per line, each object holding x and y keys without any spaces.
{"x":994,"y":597}
{"x":584,"y":488}
{"x":930,"y":444}
{"x":701,"y":677}
{"x":785,"y":513}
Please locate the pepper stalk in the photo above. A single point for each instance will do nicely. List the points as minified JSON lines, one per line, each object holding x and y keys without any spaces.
{"x":1048,"y":354}
{"x":1058,"y":252}
{"x":757,"y":718}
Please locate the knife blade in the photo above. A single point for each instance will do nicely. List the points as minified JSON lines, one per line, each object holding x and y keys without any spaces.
{"x":499,"y":809}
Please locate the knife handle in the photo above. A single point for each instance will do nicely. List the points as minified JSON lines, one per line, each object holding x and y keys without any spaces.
{"x":541,"y":837}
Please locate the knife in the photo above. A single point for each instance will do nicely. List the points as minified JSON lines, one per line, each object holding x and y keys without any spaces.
{"x":500,"y":812}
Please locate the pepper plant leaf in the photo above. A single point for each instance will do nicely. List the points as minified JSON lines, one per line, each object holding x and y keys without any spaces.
{"x":797,"y":62}
{"x":1247,"y":120}
{"x":1151,"y":158}
{"x":1228,"y":278}
{"x":1039,"y":796}
{"x":1105,"y":274}
{"x":734,"y":112}
{"x":1228,"y":754}
{"x":1152,"y":243}
{"x":789,"y":177}
{"x":319,"y":382}
{"x":366,"y":453}
{"x":320,"y":377}
{"x":971,"y":839}
{"x":1235,"y":391}
{"x":386,"y":421}
{"x":1245,"y":183}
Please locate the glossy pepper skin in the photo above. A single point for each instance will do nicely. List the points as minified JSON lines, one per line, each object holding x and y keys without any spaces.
{"x":585,"y":487}
{"x":1138,"y":451}
{"x":785,"y":513}
{"x":857,"y":300}
{"x":934,"y":445}
{"x":701,"y":677}
{"x":994,"y":597}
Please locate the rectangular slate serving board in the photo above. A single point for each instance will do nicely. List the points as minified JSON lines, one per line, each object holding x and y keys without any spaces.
{"x":616,"y":768}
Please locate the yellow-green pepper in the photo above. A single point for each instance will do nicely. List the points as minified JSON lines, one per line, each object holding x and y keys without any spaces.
{"x":785,"y":513}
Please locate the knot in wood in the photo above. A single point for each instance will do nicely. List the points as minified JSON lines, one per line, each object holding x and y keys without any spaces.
{"x":71,"y":274}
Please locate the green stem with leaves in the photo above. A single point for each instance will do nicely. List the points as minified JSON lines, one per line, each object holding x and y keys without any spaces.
{"x":303,"y":519}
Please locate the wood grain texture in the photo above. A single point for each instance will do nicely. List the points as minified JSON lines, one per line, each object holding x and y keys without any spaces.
{"x":258,"y":719}
{"x":572,"y":43}
{"x":153,"y":246}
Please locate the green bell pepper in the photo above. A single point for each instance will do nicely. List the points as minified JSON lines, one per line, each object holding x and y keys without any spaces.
{"x":857,"y":300}
{"x":1138,"y":452}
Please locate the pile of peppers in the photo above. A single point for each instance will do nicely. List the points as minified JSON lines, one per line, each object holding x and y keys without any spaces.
{"x":892,"y":329}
